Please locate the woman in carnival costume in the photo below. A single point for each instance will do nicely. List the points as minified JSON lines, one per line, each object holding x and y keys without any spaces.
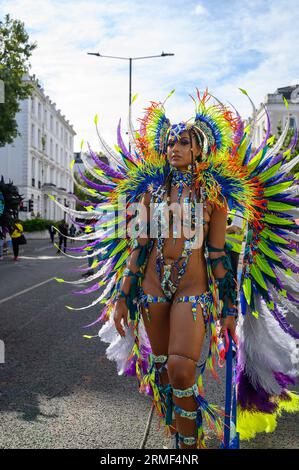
{"x":167,"y":275}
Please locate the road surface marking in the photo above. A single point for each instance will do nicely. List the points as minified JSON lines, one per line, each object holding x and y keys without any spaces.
{"x":25,"y":290}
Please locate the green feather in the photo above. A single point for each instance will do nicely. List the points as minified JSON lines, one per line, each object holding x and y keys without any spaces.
{"x":267,"y":251}
{"x":247,"y":289}
{"x":271,"y":172}
{"x":267,"y":233}
{"x":279,"y":206}
{"x":122,"y":244}
{"x":286,"y":102}
{"x":255,"y":161}
{"x":273,"y":219}
{"x":121,"y":260}
{"x":264,"y":265}
{"x":277,"y":188}
{"x":257,"y":275}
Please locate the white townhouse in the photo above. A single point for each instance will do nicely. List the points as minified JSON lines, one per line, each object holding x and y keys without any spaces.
{"x":278,"y":113}
{"x":38,"y":161}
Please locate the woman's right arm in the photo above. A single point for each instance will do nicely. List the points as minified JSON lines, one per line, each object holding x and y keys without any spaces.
{"x":133,"y":267}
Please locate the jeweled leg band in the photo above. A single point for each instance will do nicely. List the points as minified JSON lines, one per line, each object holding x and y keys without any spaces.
{"x":189,"y":441}
{"x":188,"y":392}
{"x":185,"y":413}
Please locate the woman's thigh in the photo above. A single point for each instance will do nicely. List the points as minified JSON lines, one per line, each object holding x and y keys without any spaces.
{"x":186,"y":336}
{"x":157,"y":326}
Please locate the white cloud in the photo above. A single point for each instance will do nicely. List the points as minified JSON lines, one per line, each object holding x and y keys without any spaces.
{"x":252,"y":47}
{"x":200,"y":10}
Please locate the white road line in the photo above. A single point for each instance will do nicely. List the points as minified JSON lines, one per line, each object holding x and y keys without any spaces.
{"x":25,"y":290}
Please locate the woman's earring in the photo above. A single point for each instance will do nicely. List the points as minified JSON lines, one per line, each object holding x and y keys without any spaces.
{"x":189,"y":167}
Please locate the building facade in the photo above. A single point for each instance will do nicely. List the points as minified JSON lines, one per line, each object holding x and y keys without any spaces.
{"x":274,"y":103}
{"x":38,"y":161}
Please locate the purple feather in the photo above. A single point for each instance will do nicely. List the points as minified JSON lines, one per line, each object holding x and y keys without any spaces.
{"x":253,"y":399}
{"x":288,"y":264}
{"x":106,"y":168}
{"x":121,"y":144}
{"x":131,"y":368}
{"x":284,"y":380}
{"x":284,"y":325}
{"x":294,"y":139}
{"x":90,"y":289}
{"x":83,"y":203}
{"x":98,"y":187}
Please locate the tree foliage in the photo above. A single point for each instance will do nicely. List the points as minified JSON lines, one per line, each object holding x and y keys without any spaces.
{"x":15,"y":51}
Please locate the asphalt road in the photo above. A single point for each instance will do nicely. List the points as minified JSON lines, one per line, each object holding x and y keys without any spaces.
{"x":57,"y":389}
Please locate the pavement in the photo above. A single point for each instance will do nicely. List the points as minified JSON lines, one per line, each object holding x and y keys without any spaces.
{"x":57,"y":389}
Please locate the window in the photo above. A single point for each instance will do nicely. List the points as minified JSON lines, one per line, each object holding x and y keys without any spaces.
{"x":57,"y":128}
{"x":56,"y":153}
{"x":51,"y":123}
{"x":45,"y":144}
{"x":45,"y":118}
{"x":32,"y":135}
{"x":32,"y":105}
{"x":46,"y":173}
{"x":293,"y":123}
{"x":39,"y":112}
{"x":39,"y":134}
{"x":51,"y":148}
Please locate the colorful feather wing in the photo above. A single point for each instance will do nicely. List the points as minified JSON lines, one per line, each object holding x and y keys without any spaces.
{"x":104,"y":223}
{"x":269,"y":288}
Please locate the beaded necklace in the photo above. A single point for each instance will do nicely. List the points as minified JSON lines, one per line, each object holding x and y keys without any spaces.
{"x":179,"y":180}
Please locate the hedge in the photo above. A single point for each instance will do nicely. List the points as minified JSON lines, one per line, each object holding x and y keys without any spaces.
{"x":36,"y":225}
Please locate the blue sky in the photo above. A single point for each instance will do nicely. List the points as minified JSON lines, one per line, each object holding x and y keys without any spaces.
{"x":221,"y":45}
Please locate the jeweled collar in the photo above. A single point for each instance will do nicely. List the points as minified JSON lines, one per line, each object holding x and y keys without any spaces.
{"x":181,"y":177}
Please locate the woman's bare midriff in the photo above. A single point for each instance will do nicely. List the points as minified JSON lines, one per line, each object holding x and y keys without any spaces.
{"x":195,"y":279}
{"x":193,"y":282}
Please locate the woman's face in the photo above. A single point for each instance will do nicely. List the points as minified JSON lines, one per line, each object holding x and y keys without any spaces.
{"x":179,"y":151}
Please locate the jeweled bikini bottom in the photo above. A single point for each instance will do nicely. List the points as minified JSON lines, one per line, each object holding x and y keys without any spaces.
{"x":205,"y":300}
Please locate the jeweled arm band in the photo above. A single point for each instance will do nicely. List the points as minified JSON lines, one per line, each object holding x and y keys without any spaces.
{"x":226,"y":285}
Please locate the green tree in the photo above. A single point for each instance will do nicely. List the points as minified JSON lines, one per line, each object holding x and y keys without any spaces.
{"x":15,"y":51}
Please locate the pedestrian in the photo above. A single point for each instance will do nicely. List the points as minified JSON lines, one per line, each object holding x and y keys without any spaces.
{"x":16,"y":234}
{"x":2,"y":237}
{"x":51,"y":233}
{"x":63,"y":233}
{"x":72,"y":232}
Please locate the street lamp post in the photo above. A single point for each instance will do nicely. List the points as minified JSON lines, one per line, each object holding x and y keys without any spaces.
{"x":130,"y":59}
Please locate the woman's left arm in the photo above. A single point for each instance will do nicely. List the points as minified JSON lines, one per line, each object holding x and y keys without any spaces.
{"x":222,"y":270}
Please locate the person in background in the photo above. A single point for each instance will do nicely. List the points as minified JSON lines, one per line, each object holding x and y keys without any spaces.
{"x":51,"y":233}
{"x":63,"y":233}
{"x":16,"y":233}
{"x":72,"y":232}
{"x":2,"y":236}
